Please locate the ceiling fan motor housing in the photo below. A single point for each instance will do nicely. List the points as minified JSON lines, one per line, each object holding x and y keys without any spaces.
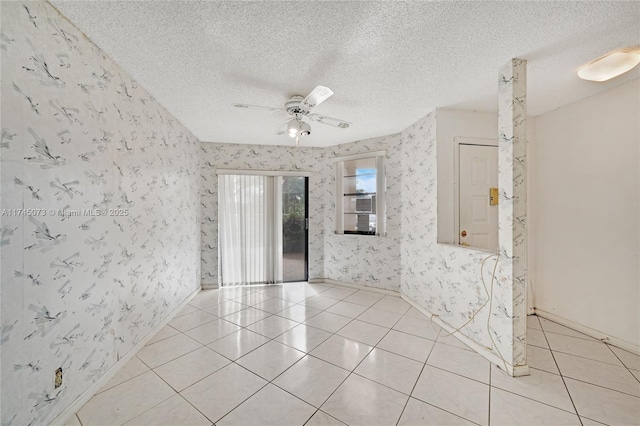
{"x":295,"y":107}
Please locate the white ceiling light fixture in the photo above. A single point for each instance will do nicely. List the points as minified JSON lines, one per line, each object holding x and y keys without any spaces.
{"x":610,"y":65}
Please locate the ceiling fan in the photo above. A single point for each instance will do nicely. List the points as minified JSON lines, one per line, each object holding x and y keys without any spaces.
{"x":299,"y":107}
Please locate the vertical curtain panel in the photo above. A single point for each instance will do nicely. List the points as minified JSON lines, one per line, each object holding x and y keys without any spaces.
{"x":250,"y":229}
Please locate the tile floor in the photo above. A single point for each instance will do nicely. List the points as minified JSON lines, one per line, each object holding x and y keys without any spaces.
{"x":313,"y":354}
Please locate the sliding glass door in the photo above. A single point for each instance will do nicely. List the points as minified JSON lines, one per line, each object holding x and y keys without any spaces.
{"x":295,"y":229}
{"x":262,"y":229}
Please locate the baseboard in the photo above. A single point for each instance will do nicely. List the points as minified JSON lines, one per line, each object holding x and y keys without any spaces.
{"x":79,"y":402}
{"x":210,"y":286}
{"x":359,"y":287}
{"x":614,"y":341}
{"x":519,"y":370}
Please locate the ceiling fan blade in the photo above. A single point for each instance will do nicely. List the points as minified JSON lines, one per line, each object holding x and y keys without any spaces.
{"x":245,"y":106}
{"x":317,"y":96}
{"x":335,"y":122}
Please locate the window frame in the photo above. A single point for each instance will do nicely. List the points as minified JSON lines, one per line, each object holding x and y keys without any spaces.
{"x":380,"y":204}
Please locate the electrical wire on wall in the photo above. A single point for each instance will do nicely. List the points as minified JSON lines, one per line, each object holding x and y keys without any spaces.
{"x":489,"y":302}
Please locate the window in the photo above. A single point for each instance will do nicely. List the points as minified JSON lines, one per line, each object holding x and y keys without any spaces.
{"x":360,"y":205}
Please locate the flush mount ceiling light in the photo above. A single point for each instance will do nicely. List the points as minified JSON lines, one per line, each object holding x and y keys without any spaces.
{"x":609,"y":66}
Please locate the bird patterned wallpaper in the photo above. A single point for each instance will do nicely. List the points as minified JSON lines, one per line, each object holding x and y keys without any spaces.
{"x":100,"y":213}
{"x":260,"y":157}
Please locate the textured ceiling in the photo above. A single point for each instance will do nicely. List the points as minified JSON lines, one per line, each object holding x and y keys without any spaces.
{"x":388,"y":63}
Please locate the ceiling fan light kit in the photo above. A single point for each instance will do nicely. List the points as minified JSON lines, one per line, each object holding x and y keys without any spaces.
{"x":298,"y":107}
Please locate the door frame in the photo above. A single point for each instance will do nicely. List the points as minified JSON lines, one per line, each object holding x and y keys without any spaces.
{"x":457,"y":141}
{"x":306,"y":230}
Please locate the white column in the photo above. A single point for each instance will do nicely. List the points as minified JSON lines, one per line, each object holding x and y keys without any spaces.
{"x":512,"y":123}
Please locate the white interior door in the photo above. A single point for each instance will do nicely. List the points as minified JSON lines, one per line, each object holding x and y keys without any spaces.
{"x":478,"y":169}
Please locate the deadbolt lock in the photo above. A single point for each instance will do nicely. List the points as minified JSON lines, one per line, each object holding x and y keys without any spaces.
{"x":463,"y":234}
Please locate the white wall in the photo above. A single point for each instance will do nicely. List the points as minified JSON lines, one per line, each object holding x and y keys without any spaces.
{"x":586,"y":212}
{"x":79,"y":292}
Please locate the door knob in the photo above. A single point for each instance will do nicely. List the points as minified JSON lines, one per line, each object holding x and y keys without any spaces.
{"x":463,"y":234}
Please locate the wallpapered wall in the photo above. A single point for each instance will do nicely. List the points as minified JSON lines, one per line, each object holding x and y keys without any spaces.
{"x":450,"y":281}
{"x":444,"y":279}
{"x":371,"y":261}
{"x":361,"y":259}
{"x":79,"y":289}
{"x":260,"y":157}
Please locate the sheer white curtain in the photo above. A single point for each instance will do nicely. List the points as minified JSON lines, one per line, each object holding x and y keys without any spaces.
{"x":250,"y":229}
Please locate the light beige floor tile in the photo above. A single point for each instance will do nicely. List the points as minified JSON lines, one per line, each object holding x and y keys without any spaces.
{"x":212,"y":331}
{"x":360,"y":401}
{"x":225,"y":308}
{"x":295,"y":296}
{"x":414,"y":347}
{"x":379,"y":317}
{"x":347,"y":309}
{"x":239,"y":343}
{"x":270,"y":359}
{"x":272,"y":326}
{"x":533,"y":322}
{"x":453,"y":393}
{"x":460,"y":361}
{"x":167,"y":349}
{"x":552,"y":327}
{"x":598,"y":373}
{"x":451,"y":340}
{"x":365,"y":298}
{"x":192,"y":320}
{"x":299,"y":313}
{"x":303,"y":337}
{"x":131,"y":369}
{"x":536,"y":337}
{"x":541,"y":359}
{"x":188,"y":369}
{"x":73,"y":421}
{"x":321,"y":418}
{"x":588,"y":422}
{"x":540,"y":386}
{"x":207,"y":298}
{"x":392,"y":304}
{"x":312,"y":380}
{"x":586,"y":348}
{"x":603,"y":404}
{"x":630,"y":360}
{"x":246,"y":316}
{"x":636,"y":373}
{"x":272,"y":406}
{"x":338,"y":293}
{"x":251,"y":299}
{"x":418,"y":327}
{"x":328,"y":322}
{"x":273,"y":305}
{"x":413,"y":312}
{"x":394,"y":371}
{"x":363,"y":332}
{"x":419,"y":413}
{"x":509,"y":409}
{"x":217,"y":394}
{"x":174,"y":411}
{"x":345,"y":353}
{"x":125,"y":401}
{"x":186,"y":310}
{"x":319,"y":302}
{"x":166,"y":331}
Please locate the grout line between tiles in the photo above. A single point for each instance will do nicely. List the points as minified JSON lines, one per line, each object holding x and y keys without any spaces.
{"x":563,"y":380}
